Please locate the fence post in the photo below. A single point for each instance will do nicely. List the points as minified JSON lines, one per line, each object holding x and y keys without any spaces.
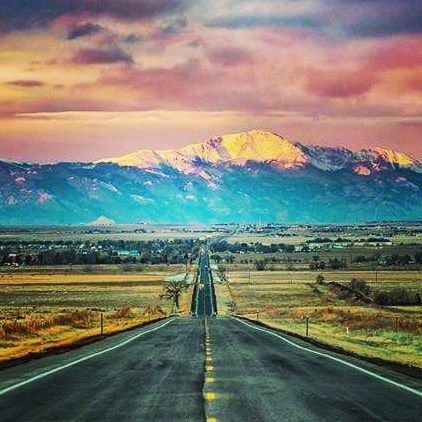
{"x":307,"y":325}
{"x":102,"y":323}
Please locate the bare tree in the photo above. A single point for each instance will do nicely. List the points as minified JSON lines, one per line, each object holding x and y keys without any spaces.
{"x":173,"y":289}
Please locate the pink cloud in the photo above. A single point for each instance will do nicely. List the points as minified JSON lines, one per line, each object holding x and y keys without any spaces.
{"x":101,"y":56}
{"x":230,"y":56}
{"x":402,"y":52}
{"x":340,"y":83}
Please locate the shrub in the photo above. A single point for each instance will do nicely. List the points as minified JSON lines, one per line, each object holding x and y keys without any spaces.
{"x":336,"y":264}
{"x":396,"y":297}
{"x":360,"y":286}
{"x":260,"y":265}
{"x":320,"y":279}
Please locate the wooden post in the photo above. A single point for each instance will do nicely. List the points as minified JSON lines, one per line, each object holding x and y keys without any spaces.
{"x":102,"y":323}
{"x":307,"y":326}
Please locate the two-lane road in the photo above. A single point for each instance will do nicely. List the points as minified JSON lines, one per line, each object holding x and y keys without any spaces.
{"x":248,"y":373}
{"x":204,"y":297}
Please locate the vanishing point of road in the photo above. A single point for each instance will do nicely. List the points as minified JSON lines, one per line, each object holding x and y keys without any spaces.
{"x":205,"y":368}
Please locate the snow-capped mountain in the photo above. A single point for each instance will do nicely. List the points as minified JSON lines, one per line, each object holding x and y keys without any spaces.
{"x":251,"y":176}
{"x":263,"y":147}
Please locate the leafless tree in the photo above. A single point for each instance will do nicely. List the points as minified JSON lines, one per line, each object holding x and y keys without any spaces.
{"x":173,"y":289}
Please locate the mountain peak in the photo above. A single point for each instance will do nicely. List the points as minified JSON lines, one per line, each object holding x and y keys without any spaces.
{"x":394,"y":157}
{"x":238,"y":148}
{"x":261,"y":146}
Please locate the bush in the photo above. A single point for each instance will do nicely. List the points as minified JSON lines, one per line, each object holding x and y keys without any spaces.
{"x":260,"y":265}
{"x":396,"y":297}
{"x":360,"y":286}
{"x":336,"y":264}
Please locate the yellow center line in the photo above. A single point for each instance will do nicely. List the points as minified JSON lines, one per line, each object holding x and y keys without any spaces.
{"x":209,"y":380}
{"x":210,"y":396}
{"x":209,"y":368}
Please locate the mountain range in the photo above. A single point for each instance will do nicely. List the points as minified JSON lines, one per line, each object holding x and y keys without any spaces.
{"x":255,"y":176}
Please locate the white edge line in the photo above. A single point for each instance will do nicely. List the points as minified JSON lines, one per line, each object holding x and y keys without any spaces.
{"x":101,"y":352}
{"x":344,"y":362}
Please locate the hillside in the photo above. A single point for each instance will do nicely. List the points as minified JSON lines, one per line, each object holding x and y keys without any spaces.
{"x":252,"y":176}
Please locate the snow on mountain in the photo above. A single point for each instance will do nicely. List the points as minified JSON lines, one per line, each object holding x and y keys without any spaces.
{"x":256,"y":145}
{"x":251,"y":176}
{"x":263,"y":147}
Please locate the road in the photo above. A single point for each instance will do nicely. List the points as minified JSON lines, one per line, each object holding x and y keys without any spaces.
{"x":204,"y":303}
{"x":190,"y":369}
{"x":259,"y":377}
{"x":157,"y":376}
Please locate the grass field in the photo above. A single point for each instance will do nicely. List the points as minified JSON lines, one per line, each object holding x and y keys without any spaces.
{"x":284,"y":299}
{"x":41,"y":311}
{"x":93,"y":234}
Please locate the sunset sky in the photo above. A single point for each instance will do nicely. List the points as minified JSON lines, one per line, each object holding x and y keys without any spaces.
{"x":86,"y":79}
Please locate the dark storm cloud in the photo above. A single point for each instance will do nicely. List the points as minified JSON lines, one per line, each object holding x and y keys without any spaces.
{"x":27,"y":14}
{"x":101,"y":56}
{"x":84,"y":30}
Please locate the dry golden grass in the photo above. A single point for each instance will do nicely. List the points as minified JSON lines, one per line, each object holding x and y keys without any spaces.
{"x":284,"y":299}
{"x":380,"y":277}
{"x":44,"y":311}
{"x":54,"y":278}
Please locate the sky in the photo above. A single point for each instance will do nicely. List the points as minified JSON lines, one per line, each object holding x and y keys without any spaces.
{"x":87,"y":79}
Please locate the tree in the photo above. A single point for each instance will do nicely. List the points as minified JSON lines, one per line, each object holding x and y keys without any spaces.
{"x":418,"y":257}
{"x":173,"y":289}
{"x":260,"y":265}
{"x":317,"y":263}
{"x":230,"y":259}
{"x":336,"y":264}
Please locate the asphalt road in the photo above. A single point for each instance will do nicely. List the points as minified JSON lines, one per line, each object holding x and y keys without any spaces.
{"x":259,"y":377}
{"x":190,"y":369}
{"x":204,"y":298}
{"x":156,"y":377}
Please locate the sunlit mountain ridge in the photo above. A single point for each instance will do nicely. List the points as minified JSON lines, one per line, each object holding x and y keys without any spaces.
{"x":247,"y":177}
{"x":262,"y":147}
